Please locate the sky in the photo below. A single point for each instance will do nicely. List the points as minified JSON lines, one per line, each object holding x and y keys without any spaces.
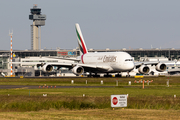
{"x":113,"y":24}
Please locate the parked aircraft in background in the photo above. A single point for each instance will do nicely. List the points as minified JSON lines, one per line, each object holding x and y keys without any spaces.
{"x":102,"y":62}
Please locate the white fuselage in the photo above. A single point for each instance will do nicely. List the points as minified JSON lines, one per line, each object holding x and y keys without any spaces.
{"x":116,"y":61}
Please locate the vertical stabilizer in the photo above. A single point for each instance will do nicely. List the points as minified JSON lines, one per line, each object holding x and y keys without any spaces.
{"x":81,"y":43}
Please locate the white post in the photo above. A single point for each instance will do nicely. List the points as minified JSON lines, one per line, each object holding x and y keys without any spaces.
{"x":72,"y":81}
{"x":86,"y":81}
{"x":167,"y":83}
{"x":101,"y":82}
{"x":116,"y":82}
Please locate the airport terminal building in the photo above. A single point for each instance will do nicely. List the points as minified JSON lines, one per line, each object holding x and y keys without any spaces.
{"x":171,"y":54}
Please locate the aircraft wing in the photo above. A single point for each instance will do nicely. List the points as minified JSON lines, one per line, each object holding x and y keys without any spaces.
{"x":146,"y":63}
{"x":43,"y":63}
{"x":86,"y":67}
{"x":26,"y":63}
{"x":137,"y":64}
{"x":70,"y":59}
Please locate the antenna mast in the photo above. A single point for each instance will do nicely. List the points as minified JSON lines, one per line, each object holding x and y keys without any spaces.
{"x":10,"y":34}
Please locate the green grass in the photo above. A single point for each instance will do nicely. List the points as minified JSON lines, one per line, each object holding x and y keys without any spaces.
{"x":104,"y":92}
{"x":155,"y":96}
{"x":150,"y":98}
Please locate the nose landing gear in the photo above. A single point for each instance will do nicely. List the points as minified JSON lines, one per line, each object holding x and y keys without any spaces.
{"x":128,"y":74}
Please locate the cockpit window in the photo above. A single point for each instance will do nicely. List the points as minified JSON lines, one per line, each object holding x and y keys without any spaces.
{"x":128,"y":59}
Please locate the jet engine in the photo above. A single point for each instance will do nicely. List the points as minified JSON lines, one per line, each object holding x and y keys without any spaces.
{"x":143,"y":69}
{"x":78,"y":70}
{"x":47,"y":68}
{"x":161,"y":67}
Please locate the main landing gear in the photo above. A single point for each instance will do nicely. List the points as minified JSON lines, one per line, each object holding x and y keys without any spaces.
{"x":96,"y":75}
{"x":118,"y":75}
{"x":90,"y":75}
{"x":107,"y":75}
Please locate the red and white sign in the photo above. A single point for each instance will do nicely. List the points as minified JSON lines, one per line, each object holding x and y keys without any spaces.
{"x":118,"y":100}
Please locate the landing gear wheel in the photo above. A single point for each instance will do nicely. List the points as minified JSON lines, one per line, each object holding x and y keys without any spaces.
{"x":107,"y":75}
{"x":96,"y":75}
{"x":118,"y":75}
{"x":89,"y":75}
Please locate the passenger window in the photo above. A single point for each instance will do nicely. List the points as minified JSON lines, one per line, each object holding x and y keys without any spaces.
{"x":129,"y":60}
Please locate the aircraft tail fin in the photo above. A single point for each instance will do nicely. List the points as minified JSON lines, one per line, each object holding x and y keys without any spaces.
{"x":81,"y":43}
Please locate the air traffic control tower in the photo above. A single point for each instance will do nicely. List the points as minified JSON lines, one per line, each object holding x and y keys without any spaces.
{"x":38,"y":21}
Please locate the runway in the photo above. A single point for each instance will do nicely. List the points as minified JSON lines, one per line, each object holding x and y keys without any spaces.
{"x":47,"y":87}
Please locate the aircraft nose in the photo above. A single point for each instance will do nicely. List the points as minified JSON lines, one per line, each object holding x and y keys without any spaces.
{"x":129,"y":66}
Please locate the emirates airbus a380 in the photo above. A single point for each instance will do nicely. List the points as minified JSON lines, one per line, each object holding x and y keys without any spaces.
{"x":102,"y":62}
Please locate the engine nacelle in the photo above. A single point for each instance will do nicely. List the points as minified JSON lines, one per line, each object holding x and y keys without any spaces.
{"x":161,"y":67}
{"x":143,"y":69}
{"x":78,"y":70}
{"x":47,"y":68}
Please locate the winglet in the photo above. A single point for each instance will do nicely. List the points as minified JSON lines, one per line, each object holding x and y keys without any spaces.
{"x":81,"y":43}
